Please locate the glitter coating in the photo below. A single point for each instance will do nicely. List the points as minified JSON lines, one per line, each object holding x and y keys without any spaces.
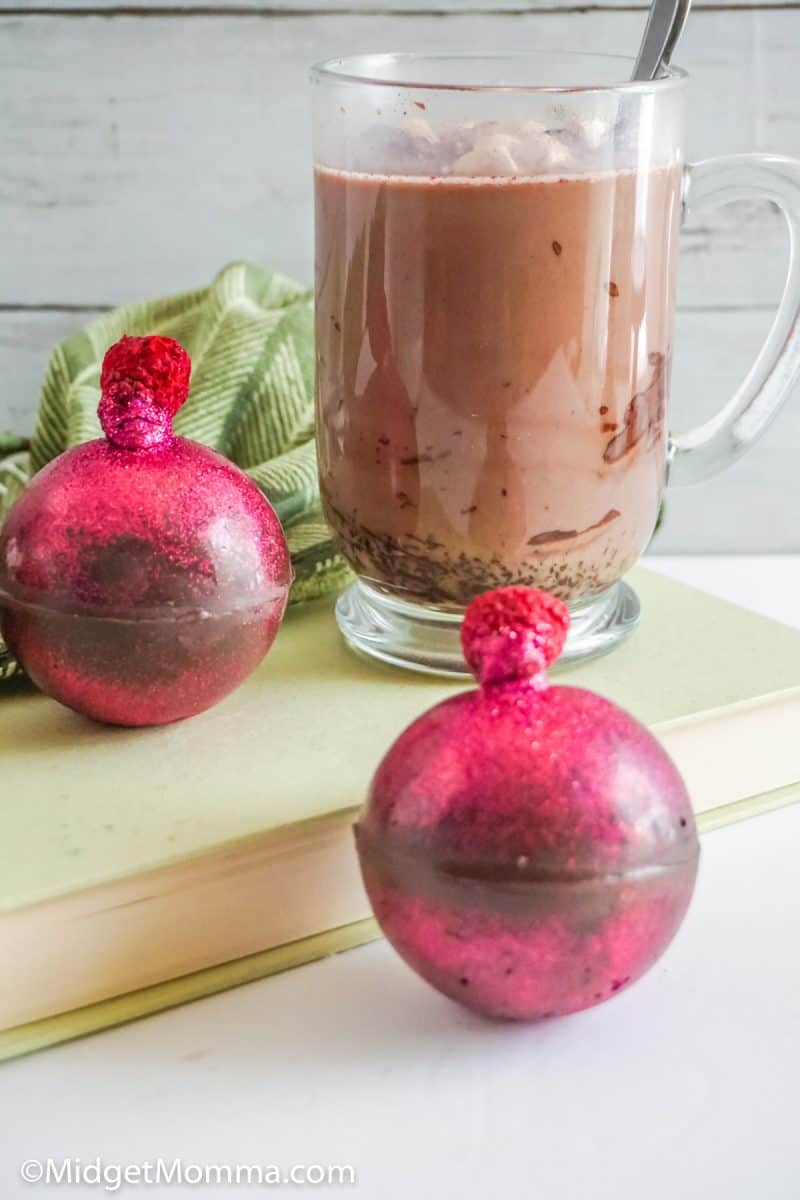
{"x":530,"y":850}
{"x":513,"y":632}
{"x":142,"y":578}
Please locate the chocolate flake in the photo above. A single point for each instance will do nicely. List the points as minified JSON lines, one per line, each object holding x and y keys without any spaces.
{"x":644,"y":416}
{"x":411,"y":460}
{"x":552,"y":535}
{"x":563,"y":535}
{"x":557,"y":248}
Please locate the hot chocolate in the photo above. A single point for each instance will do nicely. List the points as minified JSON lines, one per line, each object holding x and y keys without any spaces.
{"x":493,"y":344}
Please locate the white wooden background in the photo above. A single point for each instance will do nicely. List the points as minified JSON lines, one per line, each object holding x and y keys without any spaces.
{"x":146,"y":143}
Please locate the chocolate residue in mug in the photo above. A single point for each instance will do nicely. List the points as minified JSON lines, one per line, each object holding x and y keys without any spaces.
{"x":563,"y":535}
{"x":644,"y":416}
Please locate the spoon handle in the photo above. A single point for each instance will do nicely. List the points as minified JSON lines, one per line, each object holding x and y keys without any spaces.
{"x":676,"y":31}
{"x":664,"y":26}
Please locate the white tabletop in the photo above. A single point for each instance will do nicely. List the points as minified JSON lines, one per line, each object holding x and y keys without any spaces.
{"x":687,"y":1086}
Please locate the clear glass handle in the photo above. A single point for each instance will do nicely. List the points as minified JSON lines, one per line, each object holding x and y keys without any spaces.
{"x":710,"y":447}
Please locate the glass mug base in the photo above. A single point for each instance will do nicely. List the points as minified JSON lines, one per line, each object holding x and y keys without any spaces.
{"x":385,"y":627}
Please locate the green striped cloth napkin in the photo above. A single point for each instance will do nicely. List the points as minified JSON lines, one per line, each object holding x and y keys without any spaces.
{"x":250,"y":338}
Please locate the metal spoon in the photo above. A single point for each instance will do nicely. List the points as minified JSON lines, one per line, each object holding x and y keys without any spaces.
{"x":664,"y":28}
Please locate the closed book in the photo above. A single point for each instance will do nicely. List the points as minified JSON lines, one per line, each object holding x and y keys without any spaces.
{"x":141,"y":868}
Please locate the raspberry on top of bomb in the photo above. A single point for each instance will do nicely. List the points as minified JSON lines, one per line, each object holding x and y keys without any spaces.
{"x":144,"y":381}
{"x":513,"y":633}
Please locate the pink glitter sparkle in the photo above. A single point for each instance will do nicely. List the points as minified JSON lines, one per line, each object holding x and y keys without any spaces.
{"x":529,"y":849}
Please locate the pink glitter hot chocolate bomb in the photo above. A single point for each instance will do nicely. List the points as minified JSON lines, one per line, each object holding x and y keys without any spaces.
{"x":142,"y":576}
{"x":528,"y":849}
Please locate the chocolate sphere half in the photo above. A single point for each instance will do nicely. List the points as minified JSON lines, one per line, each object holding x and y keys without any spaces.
{"x":528,"y":849}
{"x":142,"y":576}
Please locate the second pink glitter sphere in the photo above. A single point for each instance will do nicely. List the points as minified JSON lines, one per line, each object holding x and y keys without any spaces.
{"x":142,"y":576}
{"x":529,"y":849}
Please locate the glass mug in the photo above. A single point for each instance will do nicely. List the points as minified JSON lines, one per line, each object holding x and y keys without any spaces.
{"x":495,"y":293}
